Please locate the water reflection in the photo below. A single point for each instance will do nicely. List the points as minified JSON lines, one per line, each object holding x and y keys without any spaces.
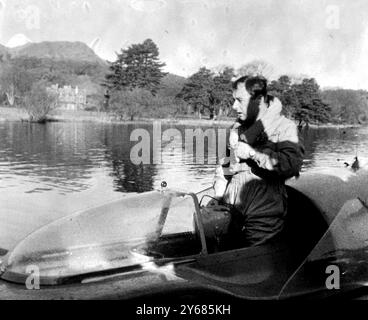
{"x":43,"y":158}
{"x":67,"y":156}
{"x":127,"y":176}
{"x":326,"y":147}
{"x":49,"y":171}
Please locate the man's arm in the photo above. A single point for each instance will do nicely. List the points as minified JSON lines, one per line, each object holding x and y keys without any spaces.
{"x":283,"y":161}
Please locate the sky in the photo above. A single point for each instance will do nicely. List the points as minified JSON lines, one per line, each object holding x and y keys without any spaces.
{"x":324,"y":39}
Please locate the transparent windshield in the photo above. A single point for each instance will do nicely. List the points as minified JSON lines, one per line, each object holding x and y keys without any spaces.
{"x":121,"y":234}
{"x":339,"y":261}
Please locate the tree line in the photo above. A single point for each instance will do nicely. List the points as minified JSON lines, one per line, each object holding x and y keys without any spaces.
{"x":135,"y":85}
{"x":136,"y":75}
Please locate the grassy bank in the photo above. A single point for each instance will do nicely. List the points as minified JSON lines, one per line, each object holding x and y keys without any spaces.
{"x":104,"y":117}
{"x":12,"y":114}
{"x":15,"y":114}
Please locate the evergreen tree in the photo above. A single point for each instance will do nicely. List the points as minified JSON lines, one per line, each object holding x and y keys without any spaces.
{"x":205,"y":91}
{"x":198,"y":91}
{"x":301,"y":101}
{"x":311,"y":107}
{"x":137,"y":67}
{"x":223,"y":93}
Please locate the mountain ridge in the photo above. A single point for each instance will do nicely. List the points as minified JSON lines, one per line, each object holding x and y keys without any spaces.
{"x":88,"y":75}
{"x":57,"y":50}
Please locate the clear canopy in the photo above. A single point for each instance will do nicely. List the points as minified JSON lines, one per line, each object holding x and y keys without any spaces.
{"x":112,"y":236}
{"x":160,"y":225}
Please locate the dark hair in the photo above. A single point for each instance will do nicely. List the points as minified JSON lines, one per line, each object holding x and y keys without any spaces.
{"x":239,"y":81}
{"x":256,"y":86}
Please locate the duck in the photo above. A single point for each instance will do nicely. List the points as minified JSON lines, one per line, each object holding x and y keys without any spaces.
{"x":356,"y":165}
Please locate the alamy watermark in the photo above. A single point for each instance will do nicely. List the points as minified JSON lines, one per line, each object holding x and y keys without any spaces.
{"x":333,"y":279}
{"x":333,"y":17}
{"x":192,"y":143}
{"x":33,"y":280}
{"x":30,"y":15}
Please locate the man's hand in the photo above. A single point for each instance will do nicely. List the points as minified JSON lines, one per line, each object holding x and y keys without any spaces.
{"x":234,"y":138}
{"x":244,"y":151}
{"x":220,"y":183}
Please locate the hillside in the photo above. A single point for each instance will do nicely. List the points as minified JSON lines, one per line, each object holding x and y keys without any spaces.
{"x":171,"y":85}
{"x":62,"y":63}
{"x":69,"y":63}
{"x":3,"y":51}
{"x":77,"y":51}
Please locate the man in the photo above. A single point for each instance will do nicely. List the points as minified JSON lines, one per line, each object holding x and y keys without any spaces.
{"x":270,"y":153}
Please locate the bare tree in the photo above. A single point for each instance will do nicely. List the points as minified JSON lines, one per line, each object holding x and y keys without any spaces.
{"x":10,"y":94}
{"x":39,"y":102}
{"x":256,"y":68}
{"x":15,"y":81}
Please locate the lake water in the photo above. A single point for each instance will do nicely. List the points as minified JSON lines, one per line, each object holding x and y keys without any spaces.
{"x":50,"y":171}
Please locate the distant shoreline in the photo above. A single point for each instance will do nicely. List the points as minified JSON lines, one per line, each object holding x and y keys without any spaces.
{"x":17,"y":115}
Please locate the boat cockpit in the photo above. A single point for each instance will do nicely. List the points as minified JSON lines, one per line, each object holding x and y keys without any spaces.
{"x":181,"y":229}
{"x":157,"y":226}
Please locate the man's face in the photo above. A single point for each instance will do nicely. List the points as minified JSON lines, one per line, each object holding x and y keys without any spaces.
{"x":242,"y":99}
